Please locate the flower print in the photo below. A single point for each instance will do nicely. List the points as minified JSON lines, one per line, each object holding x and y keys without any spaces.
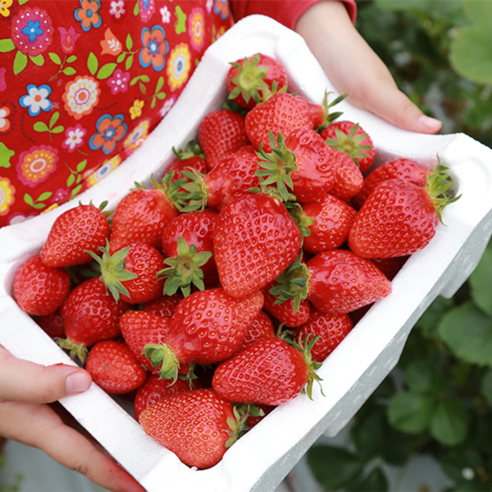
{"x":4,"y":7}
{"x":196,"y":27}
{"x":4,"y":121}
{"x":119,"y":81}
{"x":117,"y":8}
{"x":166,"y":107}
{"x":155,"y":47}
{"x":36,"y":164}
{"x":32,"y":31}
{"x":221,"y":8}
{"x":111,"y":45}
{"x":87,"y":14}
{"x":146,"y":9}
{"x":109,"y":131}
{"x":3,"y":83}
{"x":179,"y":66}
{"x":209,"y":5}
{"x":60,"y":195}
{"x":107,"y":167}
{"x":137,"y":136}
{"x":36,"y":99}
{"x":7,"y":192}
{"x":68,"y":39}
{"x":74,"y":138}
{"x":81,"y":96}
{"x":165,"y":15}
{"x":220,"y":32}
{"x":136,"y":109}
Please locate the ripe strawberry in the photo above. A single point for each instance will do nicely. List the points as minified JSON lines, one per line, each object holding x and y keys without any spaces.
{"x":284,"y":311}
{"x":270,"y":372}
{"x":255,"y":239}
{"x":90,"y":315}
{"x":39,"y":289}
{"x":187,"y":242}
{"x":351,"y":139}
{"x":219,"y":133}
{"x":348,"y":178}
{"x":399,"y":218}
{"x":114,"y":368}
{"x":190,"y":158}
{"x":52,"y":324}
{"x":163,"y":306}
{"x":390,"y":266}
{"x":331,"y":330}
{"x":261,"y":327}
{"x":401,"y":168}
{"x":250,"y":77}
{"x":76,"y":231}
{"x":198,"y":426}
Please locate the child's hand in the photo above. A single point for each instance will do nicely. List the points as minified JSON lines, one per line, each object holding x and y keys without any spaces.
{"x":356,"y":70}
{"x":26,"y":390}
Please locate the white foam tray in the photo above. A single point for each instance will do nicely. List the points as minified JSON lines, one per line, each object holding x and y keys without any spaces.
{"x":262,"y":458}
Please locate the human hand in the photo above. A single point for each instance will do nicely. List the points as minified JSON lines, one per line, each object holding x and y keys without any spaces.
{"x":26,"y":390}
{"x":356,"y":70}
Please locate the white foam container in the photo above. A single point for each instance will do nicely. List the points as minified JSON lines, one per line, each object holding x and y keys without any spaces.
{"x":264,"y":456}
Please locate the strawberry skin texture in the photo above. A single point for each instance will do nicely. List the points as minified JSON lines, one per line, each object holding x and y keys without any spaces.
{"x":260,"y":328}
{"x":397,"y":219}
{"x":255,"y":239}
{"x":270,"y":372}
{"x":52,"y":324}
{"x":114,"y":368}
{"x":73,"y":232}
{"x":163,"y":306}
{"x":141,"y":217}
{"x":331,"y":330}
{"x":192,"y":425}
{"x":284,"y":312}
{"x":90,"y":315}
{"x":39,"y":289}
{"x":349,"y":180}
{"x":208,"y":326}
{"x":341,"y":282}
{"x":333,"y":219}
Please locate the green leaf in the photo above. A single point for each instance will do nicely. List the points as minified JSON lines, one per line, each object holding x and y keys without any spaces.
{"x":39,"y":206}
{"x":92,"y":63}
{"x":69,"y":71}
{"x":129,"y":42}
{"x":423,"y":377}
{"x":480,"y":282}
{"x":159,"y":85}
{"x":468,"y":333}
{"x":70,"y":180}
{"x":44,"y":196}
{"x":28,"y":199}
{"x":333,"y":467}
{"x":37,"y":60}
{"x":121,"y":57}
{"x":480,"y":14}
{"x":142,"y":87}
{"x":129,"y":62}
{"x":20,"y":62}
{"x":5,"y":155}
{"x":71,"y":59}
{"x":486,"y":386}
{"x":161,"y":95}
{"x":6,"y":45}
{"x":58,"y":129}
{"x":22,"y":2}
{"x":55,"y":58}
{"x":449,"y":424}
{"x":75,"y":191}
{"x":81,"y":165}
{"x":375,"y":482}
{"x":410,"y":412}
{"x":54,"y":118}
{"x":40,"y":126}
{"x":432,"y":315}
{"x":136,"y":9}
{"x":106,"y":71}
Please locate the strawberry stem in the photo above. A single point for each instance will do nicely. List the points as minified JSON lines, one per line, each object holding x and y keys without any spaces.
{"x":305,"y":346}
{"x":162,"y":356}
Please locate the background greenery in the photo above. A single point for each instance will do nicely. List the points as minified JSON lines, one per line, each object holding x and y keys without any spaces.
{"x":438,"y":401}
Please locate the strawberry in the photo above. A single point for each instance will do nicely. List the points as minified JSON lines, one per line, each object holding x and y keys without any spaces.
{"x":219,"y":133}
{"x":198,"y":426}
{"x":352,"y":140}
{"x":76,"y":231}
{"x":250,"y":77}
{"x":348,"y":178}
{"x":331,"y":330}
{"x":284,"y":311}
{"x":400,"y":168}
{"x":163,"y":306}
{"x":270,"y":372}
{"x":191,"y":157}
{"x":255,"y":239}
{"x":90,"y":315}
{"x":390,"y":266}
{"x":52,"y":324}
{"x":114,"y":368}
{"x":39,"y":289}
{"x":399,"y":218}
{"x":187,"y":242}
{"x":261,"y":327}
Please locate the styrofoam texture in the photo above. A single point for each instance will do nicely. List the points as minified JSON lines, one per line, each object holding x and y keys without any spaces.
{"x":262,"y":458}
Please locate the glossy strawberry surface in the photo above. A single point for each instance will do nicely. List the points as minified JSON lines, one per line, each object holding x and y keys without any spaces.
{"x":164,"y":305}
{"x":261,"y":327}
{"x":284,"y":312}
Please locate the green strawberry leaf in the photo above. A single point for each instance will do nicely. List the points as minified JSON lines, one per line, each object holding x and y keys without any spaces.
{"x":424,"y":378}
{"x":376,"y":481}
{"x":479,"y":282}
{"x":486,"y":386}
{"x":410,"y":412}
{"x":449,"y":424}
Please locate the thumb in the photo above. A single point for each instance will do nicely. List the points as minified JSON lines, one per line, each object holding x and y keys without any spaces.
{"x":22,"y":380}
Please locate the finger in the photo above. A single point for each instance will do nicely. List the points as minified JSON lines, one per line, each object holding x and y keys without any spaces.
{"x":39,"y":426}
{"x":26,"y":381}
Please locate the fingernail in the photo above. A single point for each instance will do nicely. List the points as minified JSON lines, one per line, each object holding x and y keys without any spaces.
{"x":430,"y":123}
{"x":77,"y":382}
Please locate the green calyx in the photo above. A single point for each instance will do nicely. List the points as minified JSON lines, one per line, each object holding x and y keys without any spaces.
{"x":192,"y":149}
{"x":76,"y":350}
{"x":292,"y":283}
{"x":239,"y":425}
{"x":195,"y":196}
{"x":439,"y":188}
{"x":330,"y":117}
{"x":113,"y":271}
{"x":184,"y":270}
{"x":302,"y":221}
{"x":171,"y":189}
{"x":350,"y":144}
{"x":305,"y":347}
{"x":162,"y":356}
{"x":249,"y":80}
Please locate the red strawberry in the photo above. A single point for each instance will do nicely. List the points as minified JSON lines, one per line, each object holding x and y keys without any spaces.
{"x":401,"y":168}
{"x":255,"y":239}
{"x":74,"y":232}
{"x":351,"y":139}
{"x":390,"y":266}
{"x":90,"y":315}
{"x":284,"y":311}
{"x":52,"y":324}
{"x":331,"y":330}
{"x":190,"y":158}
{"x":250,"y":77}
{"x":163,"y":306}
{"x":198,"y":426}
{"x":39,"y":289}
{"x":348,"y":178}
{"x":262,"y":327}
{"x":219,"y":133}
{"x":114,"y":368}
{"x":255,"y":419}
{"x":399,"y":218}
{"x":269,"y":372}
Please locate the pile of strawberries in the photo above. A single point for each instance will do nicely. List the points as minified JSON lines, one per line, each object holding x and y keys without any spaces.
{"x":213,"y":296}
